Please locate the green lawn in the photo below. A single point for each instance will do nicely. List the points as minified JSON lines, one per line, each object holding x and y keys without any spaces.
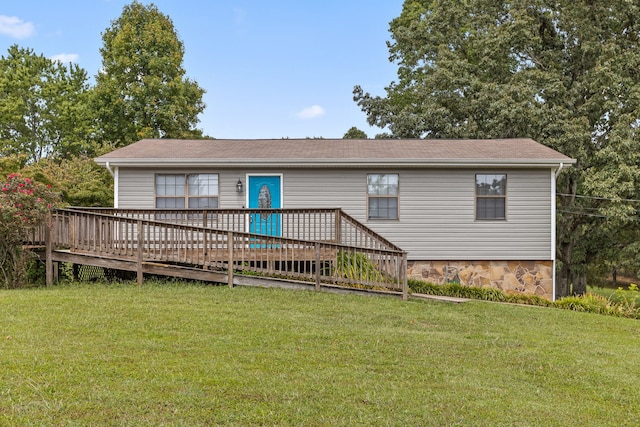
{"x":184,"y":354}
{"x":616,"y":295}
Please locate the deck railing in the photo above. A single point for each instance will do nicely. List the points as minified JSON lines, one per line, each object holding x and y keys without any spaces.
{"x":327,"y":225}
{"x":323,"y":246}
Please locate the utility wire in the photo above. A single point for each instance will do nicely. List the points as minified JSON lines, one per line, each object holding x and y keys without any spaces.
{"x":583,"y":214}
{"x":581,"y":209}
{"x":584,"y":208}
{"x":598,"y":198}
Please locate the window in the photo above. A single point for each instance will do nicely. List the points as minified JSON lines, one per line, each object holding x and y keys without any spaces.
{"x":195,"y":191}
{"x":491,"y":196}
{"x":170,"y":191}
{"x":203,"y":191}
{"x":382,"y":195}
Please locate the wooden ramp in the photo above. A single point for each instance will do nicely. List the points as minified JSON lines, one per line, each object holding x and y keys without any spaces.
{"x":318,"y":248}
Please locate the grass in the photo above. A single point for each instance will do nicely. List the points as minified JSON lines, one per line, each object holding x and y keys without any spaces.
{"x":178,"y":354}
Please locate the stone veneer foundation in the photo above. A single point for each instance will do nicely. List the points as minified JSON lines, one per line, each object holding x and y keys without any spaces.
{"x":522,"y":277}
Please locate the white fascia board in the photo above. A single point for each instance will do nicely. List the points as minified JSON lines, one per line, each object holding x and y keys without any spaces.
{"x":288,"y":163}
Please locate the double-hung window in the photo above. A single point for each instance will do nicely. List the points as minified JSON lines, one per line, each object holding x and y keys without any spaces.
{"x":491,"y":196}
{"x":170,"y":191}
{"x":382,"y":196}
{"x":202,"y":191}
{"x":192,"y":191}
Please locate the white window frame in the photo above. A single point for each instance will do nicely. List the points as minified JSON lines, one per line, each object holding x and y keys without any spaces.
{"x":164,"y":192}
{"x":188,"y":193}
{"x":481,"y":213}
{"x":193,"y":190}
{"x":383,"y":191}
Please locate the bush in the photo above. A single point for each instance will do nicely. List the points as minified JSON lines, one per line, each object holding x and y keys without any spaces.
{"x":623,"y":303}
{"x":588,"y":303}
{"x":474,"y":292}
{"x":356,"y":266}
{"x":627,"y":301}
{"x":24,"y":205}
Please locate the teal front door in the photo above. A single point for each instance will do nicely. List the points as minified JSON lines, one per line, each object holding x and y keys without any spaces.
{"x":265,"y":192}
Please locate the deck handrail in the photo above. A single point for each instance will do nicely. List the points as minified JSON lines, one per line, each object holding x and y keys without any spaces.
{"x":359,"y":226}
{"x":308,"y":223}
{"x":104,"y":234}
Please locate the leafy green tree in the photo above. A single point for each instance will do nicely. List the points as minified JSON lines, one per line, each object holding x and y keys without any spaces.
{"x":141,"y":90}
{"x":43,"y":107}
{"x":78,"y":180}
{"x":24,"y":205}
{"x":11,"y":164}
{"x":562,"y":72}
{"x":355,"y":133}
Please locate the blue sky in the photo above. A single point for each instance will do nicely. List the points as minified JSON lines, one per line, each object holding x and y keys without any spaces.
{"x":271,"y":69}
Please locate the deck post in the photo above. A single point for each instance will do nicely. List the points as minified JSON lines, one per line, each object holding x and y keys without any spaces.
{"x":140,"y":275}
{"x":131,"y":241}
{"x":317,"y":267}
{"x":403,"y":277}
{"x":48,"y":225}
{"x":338,"y":225}
{"x":230,"y":260}
{"x":205,"y":243}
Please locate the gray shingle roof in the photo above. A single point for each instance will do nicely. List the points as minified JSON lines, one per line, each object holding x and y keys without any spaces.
{"x":335,"y":152}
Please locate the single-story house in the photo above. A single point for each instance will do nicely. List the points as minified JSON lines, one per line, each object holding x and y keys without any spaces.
{"x":477,"y":212}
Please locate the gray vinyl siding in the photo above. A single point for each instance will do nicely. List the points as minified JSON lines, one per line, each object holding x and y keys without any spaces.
{"x":437,"y":211}
{"x":327,"y":188}
{"x":436,"y":207}
{"x":136,"y":187}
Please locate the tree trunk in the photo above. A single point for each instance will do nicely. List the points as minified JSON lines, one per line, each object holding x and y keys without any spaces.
{"x":566,"y":227}
{"x":563,"y":279}
{"x":579,"y":283}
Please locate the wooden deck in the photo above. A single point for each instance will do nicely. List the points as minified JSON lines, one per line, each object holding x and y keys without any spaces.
{"x":325,"y":247}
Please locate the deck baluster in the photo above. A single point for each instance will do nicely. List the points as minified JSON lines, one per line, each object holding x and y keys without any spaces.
{"x":306,"y":247}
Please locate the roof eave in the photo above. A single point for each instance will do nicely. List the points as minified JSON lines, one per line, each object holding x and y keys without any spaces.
{"x":288,"y":163}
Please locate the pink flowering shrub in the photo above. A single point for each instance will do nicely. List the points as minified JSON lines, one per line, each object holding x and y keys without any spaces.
{"x":24,"y":204}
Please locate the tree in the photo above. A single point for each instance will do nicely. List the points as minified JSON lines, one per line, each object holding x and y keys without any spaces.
{"x":24,"y":205}
{"x":562,"y":72}
{"x":43,"y":107}
{"x":355,"y":133}
{"x":78,"y":180}
{"x":11,"y":164}
{"x":141,"y":90}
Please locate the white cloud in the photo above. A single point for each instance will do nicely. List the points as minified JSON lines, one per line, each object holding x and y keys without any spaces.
{"x":65,"y":58}
{"x":310,"y":112}
{"x":15,"y":27}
